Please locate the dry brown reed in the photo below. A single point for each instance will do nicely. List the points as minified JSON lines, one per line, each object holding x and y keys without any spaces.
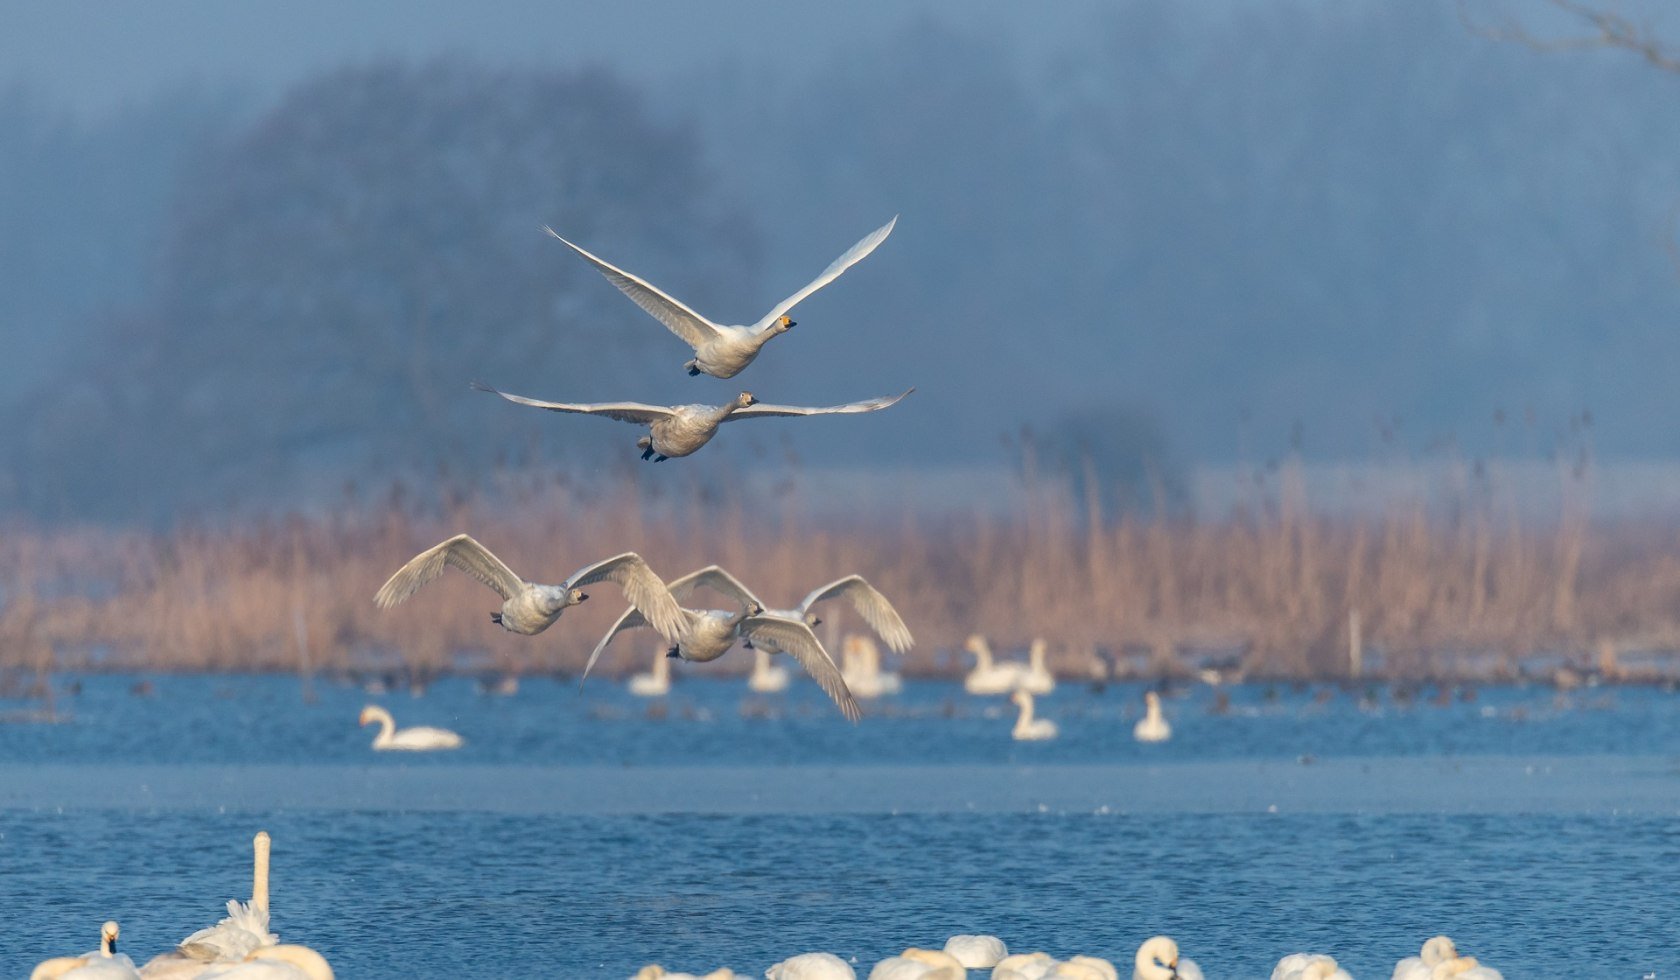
{"x":1473,"y":592}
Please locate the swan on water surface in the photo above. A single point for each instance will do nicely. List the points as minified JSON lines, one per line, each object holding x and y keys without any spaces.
{"x":1308,"y":966}
{"x":653,"y":971}
{"x":1027,"y":728}
{"x":1024,"y":966}
{"x":811,"y":966}
{"x":104,"y":963}
{"x":724,"y":351}
{"x":1436,"y":950}
{"x":919,"y":964}
{"x":681,"y":430}
{"x":976,"y":952}
{"x":529,"y":608}
{"x":1036,"y":679}
{"x":392,"y":738}
{"x":1158,"y":959}
{"x":282,"y":962}
{"x":1152,"y":727}
{"x":656,"y":683}
{"x":860,"y":665}
{"x":989,"y":677}
{"x":767,"y":678}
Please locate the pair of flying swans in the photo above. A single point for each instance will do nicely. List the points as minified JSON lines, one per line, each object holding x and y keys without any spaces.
{"x":528,"y":607}
{"x":724,"y":351}
{"x":680,"y":430}
{"x":708,"y":634}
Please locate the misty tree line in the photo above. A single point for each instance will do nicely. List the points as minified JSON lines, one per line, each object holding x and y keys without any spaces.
{"x":1289,"y":212}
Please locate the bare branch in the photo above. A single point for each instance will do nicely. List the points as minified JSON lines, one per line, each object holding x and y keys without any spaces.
{"x":1607,"y":29}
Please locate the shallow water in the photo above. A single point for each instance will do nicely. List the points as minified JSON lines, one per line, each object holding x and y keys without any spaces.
{"x":581,"y":838}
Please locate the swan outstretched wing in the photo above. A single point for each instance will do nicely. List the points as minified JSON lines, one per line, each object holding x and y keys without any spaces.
{"x":852,"y":257}
{"x":462,"y":552}
{"x":796,"y":639}
{"x":693,"y":328}
{"x":714,"y":577}
{"x":762,"y":410}
{"x":632,"y":619}
{"x":647,"y":594}
{"x":622,"y":411}
{"x":870,"y":604}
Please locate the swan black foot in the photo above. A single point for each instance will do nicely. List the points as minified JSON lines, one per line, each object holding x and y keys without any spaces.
{"x":693,"y":368}
{"x":496,"y":618}
{"x":647,"y":453}
{"x":673,"y":653}
{"x":661,"y":458}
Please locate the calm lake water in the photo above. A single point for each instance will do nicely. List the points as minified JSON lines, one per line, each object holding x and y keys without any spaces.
{"x":582,"y":835}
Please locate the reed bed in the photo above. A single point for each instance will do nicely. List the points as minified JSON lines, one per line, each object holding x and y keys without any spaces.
{"x":1272,"y":590}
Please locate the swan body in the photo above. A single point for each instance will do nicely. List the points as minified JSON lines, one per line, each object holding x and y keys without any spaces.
{"x":1463,"y":968}
{"x":528,"y":608}
{"x":653,"y":971}
{"x":1158,"y":959}
{"x":811,"y":966}
{"x":680,"y":430}
{"x":1436,"y":950}
{"x":1027,"y":728}
{"x":724,"y":351}
{"x":1023,"y":966}
{"x":656,"y":683}
{"x":392,"y":738}
{"x":1099,"y":968}
{"x":1152,"y":727}
{"x":860,"y":665}
{"x":988,"y":677}
{"x":766,"y":678}
{"x":919,"y":964}
{"x":1077,"y":969}
{"x":976,"y":952}
{"x":1308,"y":966}
{"x":282,"y":962}
{"x":1036,"y":679}
{"x":104,"y":963}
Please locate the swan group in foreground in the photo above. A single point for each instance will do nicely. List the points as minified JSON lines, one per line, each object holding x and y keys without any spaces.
{"x":418,"y":739}
{"x":680,"y":430}
{"x":104,"y":963}
{"x":724,"y":351}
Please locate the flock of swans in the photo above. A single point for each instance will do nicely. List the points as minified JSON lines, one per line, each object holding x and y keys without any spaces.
{"x":239,"y":947}
{"x":1157,"y":958}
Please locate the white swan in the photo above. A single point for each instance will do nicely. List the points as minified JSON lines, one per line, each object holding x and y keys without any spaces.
{"x":860,"y":665}
{"x":1436,"y":950}
{"x":988,"y":677}
{"x":421,"y":739}
{"x":723,"y":351}
{"x":1023,"y":966}
{"x":1152,"y":727}
{"x":656,"y":683}
{"x":1158,"y":959}
{"x":1308,"y":966}
{"x":1028,"y":729}
{"x":767,"y":678}
{"x":527,"y":607}
{"x":104,"y":963}
{"x":680,"y":430}
{"x":976,"y":952}
{"x":653,"y":971}
{"x":919,"y":964}
{"x":282,"y":962}
{"x":811,"y":966}
{"x":1464,"y":968}
{"x":1085,"y":968}
{"x":1037,"y":679}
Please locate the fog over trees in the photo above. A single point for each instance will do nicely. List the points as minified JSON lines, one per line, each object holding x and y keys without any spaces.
{"x":1180,"y":235}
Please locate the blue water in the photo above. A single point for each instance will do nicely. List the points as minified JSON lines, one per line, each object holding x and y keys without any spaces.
{"x":575,"y":836}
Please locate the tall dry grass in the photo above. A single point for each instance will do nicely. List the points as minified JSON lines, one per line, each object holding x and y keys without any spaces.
{"x":1466,"y":590}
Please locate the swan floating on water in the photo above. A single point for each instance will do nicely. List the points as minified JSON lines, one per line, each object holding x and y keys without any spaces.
{"x":656,"y":683}
{"x":989,"y":677}
{"x":653,"y":971}
{"x":767,"y":678}
{"x":1158,"y":959}
{"x":977,"y":952}
{"x":860,"y":665}
{"x":681,"y":430}
{"x":282,"y":962}
{"x":1308,"y":966}
{"x":919,"y":964}
{"x":1036,"y":679}
{"x":420,"y":739}
{"x":724,"y":351}
{"x":811,"y":966}
{"x":1027,"y":728}
{"x":529,"y":608}
{"x":1436,"y":950}
{"x":104,"y":963}
{"x":1023,"y":966}
{"x":1152,"y":727}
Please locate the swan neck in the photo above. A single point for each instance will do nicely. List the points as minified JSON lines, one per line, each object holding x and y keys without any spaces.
{"x":761,"y":661}
{"x":259,"y":870}
{"x":387,"y":725}
{"x":982,"y":655}
{"x":1026,"y":712}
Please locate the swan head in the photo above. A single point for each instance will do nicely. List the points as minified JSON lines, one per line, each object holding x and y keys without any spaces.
{"x":976,"y":644}
{"x":1151,"y":699}
{"x":783,"y":324}
{"x":369,"y":715}
{"x":1021,"y":698}
{"x":108,"y":934}
{"x":812,"y":620}
{"x":1157,"y":959}
{"x":575,"y":596}
{"x":1438,"y":949}
{"x":745,"y":399}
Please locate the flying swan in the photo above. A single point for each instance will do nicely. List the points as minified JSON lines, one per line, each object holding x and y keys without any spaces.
{"x":527,"y":607}
{"x":680,"y":430}
{"x":723,"y":351}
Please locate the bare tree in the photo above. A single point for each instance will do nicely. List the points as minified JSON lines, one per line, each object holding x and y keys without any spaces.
{"x":1602,"y":27}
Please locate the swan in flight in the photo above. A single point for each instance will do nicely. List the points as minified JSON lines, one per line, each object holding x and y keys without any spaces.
{"x":527,"y":607}
{"x":767,"y":678}
{"x":724,"y":351}
{"x":989,"y":677}
{"x":1436,"y":950}
{"x":390,"y":737}
{"x":860,"y":665}
{"x":811,"y":966}
{"x":1308,"y":966}
{"x":656,"y":683}
{"x":680,"y":430}
{"x":1158,"y":959}
{"x":104,"y":963}
{"x":1028,"y":729}
{"x":919,"y":964}
{"x":1152,"y":727}
{"x":1037,"y":679}
{"x":976,"y":952}
{"x":709,"y":634}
